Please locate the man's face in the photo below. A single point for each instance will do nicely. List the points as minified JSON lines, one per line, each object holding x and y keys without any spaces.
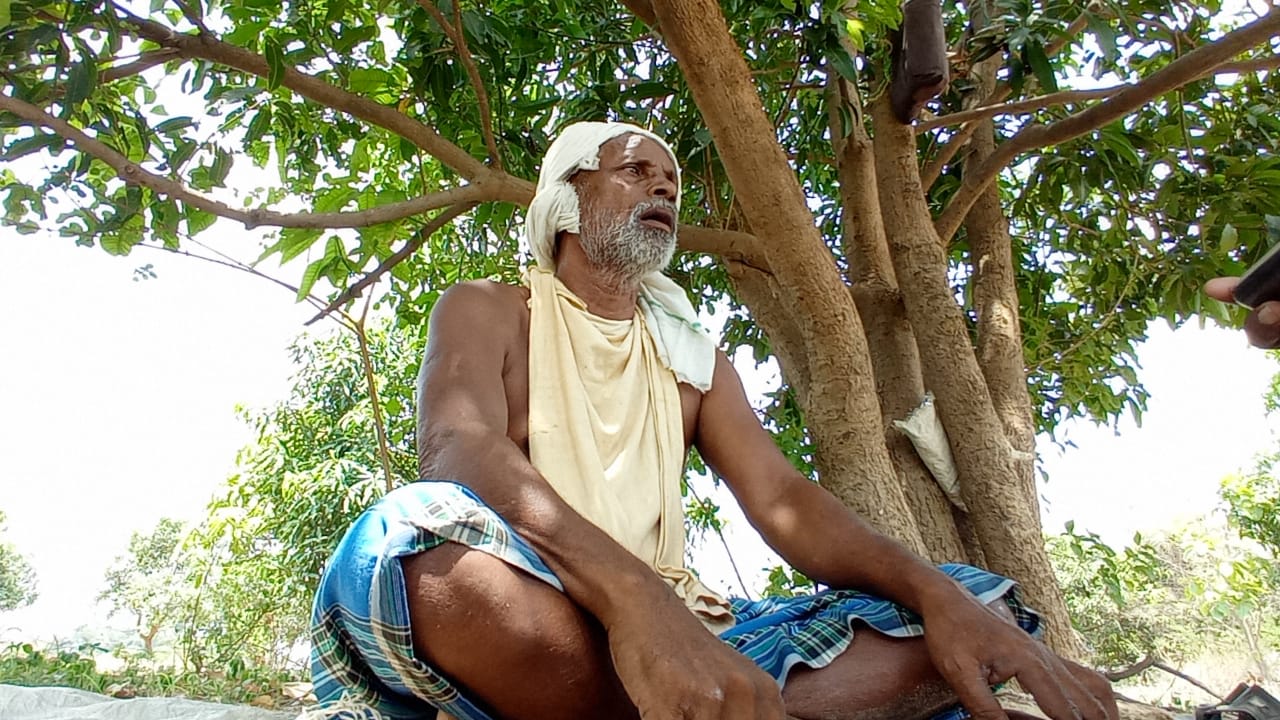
{"x":627,"y":215}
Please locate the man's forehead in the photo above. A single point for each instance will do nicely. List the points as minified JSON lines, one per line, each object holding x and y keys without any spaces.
{"x":635,"y":147}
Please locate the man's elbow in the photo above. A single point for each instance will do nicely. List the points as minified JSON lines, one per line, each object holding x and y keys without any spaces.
{"x":442,"y":446}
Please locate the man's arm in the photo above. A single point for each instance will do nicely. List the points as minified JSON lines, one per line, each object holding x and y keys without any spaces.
{"x":970,"y":645}
{"x":462,"y":431}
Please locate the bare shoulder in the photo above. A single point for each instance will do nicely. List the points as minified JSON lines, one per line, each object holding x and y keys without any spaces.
{"x":484,"y":297}
{"x":480,"y":309}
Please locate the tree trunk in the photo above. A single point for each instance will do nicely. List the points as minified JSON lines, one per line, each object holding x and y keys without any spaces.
{"x":895,"y":361}
{"x":1010,"y":539}
{"x":842,"y":412}
{"x":995,"y":298}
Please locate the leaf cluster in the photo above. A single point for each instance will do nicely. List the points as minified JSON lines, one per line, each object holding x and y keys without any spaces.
{"x":17,"y":577}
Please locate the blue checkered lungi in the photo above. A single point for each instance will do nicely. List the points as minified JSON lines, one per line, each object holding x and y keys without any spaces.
{"x":362,"y":650}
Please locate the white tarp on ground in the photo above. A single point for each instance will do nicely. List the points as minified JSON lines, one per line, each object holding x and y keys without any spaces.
{"x":56,"y":703}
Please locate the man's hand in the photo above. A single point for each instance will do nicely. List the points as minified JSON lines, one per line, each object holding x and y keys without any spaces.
{"x":674,"y":669}
{"x":1263,"y":324}
{"x":973,"y":648}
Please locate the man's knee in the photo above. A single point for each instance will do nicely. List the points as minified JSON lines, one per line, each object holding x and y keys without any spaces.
{"x":514,"y":641}
{"x":455,"y":590}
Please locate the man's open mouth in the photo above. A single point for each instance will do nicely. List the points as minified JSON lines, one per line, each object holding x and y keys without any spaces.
{"x":659,"y":217}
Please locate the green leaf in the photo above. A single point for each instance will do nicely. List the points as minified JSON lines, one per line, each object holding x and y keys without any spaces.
{"x":173,"y":125}
{"x":275,"y":62}
{"x":841,"y":61}
{"x":1035,"y":57}
{"x":310,"y":276}
{"x":1230,"y":238}
{"x":5,"y":15}
{"x":116,"y":243}
{"x":198,"y":220}
{"x":221,"y":166}
{"x":33,"y":144}
{"x":182,"y":152}
{"x":295,"y":241}
{"x":81,"y":81}
{"x":1103,"y":34}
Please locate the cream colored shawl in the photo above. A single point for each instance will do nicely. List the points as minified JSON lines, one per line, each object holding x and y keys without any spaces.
{"x":606,"y":431}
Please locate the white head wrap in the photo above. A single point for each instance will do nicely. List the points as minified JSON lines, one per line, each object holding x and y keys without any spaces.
{"x":681,"y":342}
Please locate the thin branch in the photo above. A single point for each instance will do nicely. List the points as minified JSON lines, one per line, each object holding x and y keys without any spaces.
{"x":371,"y":384}
{"x":207,"y":47}
{"x":933,"y":169}
{"x":145,"y":62}
{"x":729,"y":553}
{"x":1076,"y":27}
{"x":1137,"y":668}
{"x":1242,"y":67}
{"x":439,"y":221}
{"x":457,"y":35}
{"x":194,"y":13}
{"x":1067,"y":97}
{"x":1187,"y":678}
{"x":233,"y":264}
{"x":729,"y":244}
{"x":1189,"y":67}
{"x":1150,"y":662}
{"x":1029,"y":105}
{"x":131,"y":172}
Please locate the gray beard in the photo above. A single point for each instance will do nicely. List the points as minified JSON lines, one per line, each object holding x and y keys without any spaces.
{"x":621,"y":249}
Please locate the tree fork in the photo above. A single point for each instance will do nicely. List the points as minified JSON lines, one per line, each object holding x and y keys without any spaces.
{"x":844,"y":416}
{"x":1012,"y":544}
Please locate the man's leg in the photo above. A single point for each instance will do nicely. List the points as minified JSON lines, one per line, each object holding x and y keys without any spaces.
{"x":510,"y":641}
{"x":877,"y":677}
{"x":884,"y":677}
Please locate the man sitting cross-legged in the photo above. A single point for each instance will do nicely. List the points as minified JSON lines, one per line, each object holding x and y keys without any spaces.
{"x":537,"y":570}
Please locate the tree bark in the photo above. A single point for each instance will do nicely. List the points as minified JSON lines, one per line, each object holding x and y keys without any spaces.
{"x":1010,"y":539}
{"x":895,"y":361}
{"x":842,"y":412}
{"x":995,"y":297}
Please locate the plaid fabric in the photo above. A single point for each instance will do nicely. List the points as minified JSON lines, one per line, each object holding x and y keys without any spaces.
{"x":362,"y":652}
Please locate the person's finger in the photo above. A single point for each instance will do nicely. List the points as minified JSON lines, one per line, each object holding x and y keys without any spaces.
{"x":1081,"y":694}
{"x":1263,"y":325}
{"x":971,"y":687}
{"x":1223,"y":288}
{"x":1048,"y":692}
{"x":1098,"y":686}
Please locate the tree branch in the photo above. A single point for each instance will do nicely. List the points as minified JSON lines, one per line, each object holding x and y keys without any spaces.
{"x":1191,"y":66}
{"x":1241,"y":67}
{"x":1073,"y":96}
{"x":929,"y":175}
{"x":439,"y":221}
{"x":728,"y":244}
{"x":458,"y":36}
{"x":131,"y":172}
{"x":208,"y":47}
{"x":145,"y":62}
{"x":231,"y":263}
{"x":1022,"y":106}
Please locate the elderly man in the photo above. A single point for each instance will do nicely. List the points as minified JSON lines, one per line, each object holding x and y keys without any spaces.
{"x":538,"y":570}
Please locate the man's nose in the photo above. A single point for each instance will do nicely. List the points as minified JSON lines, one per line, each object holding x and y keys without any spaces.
{"x":663,"y":187}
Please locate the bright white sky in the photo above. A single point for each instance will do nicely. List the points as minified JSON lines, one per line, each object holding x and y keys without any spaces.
{"x":117,"y":407}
